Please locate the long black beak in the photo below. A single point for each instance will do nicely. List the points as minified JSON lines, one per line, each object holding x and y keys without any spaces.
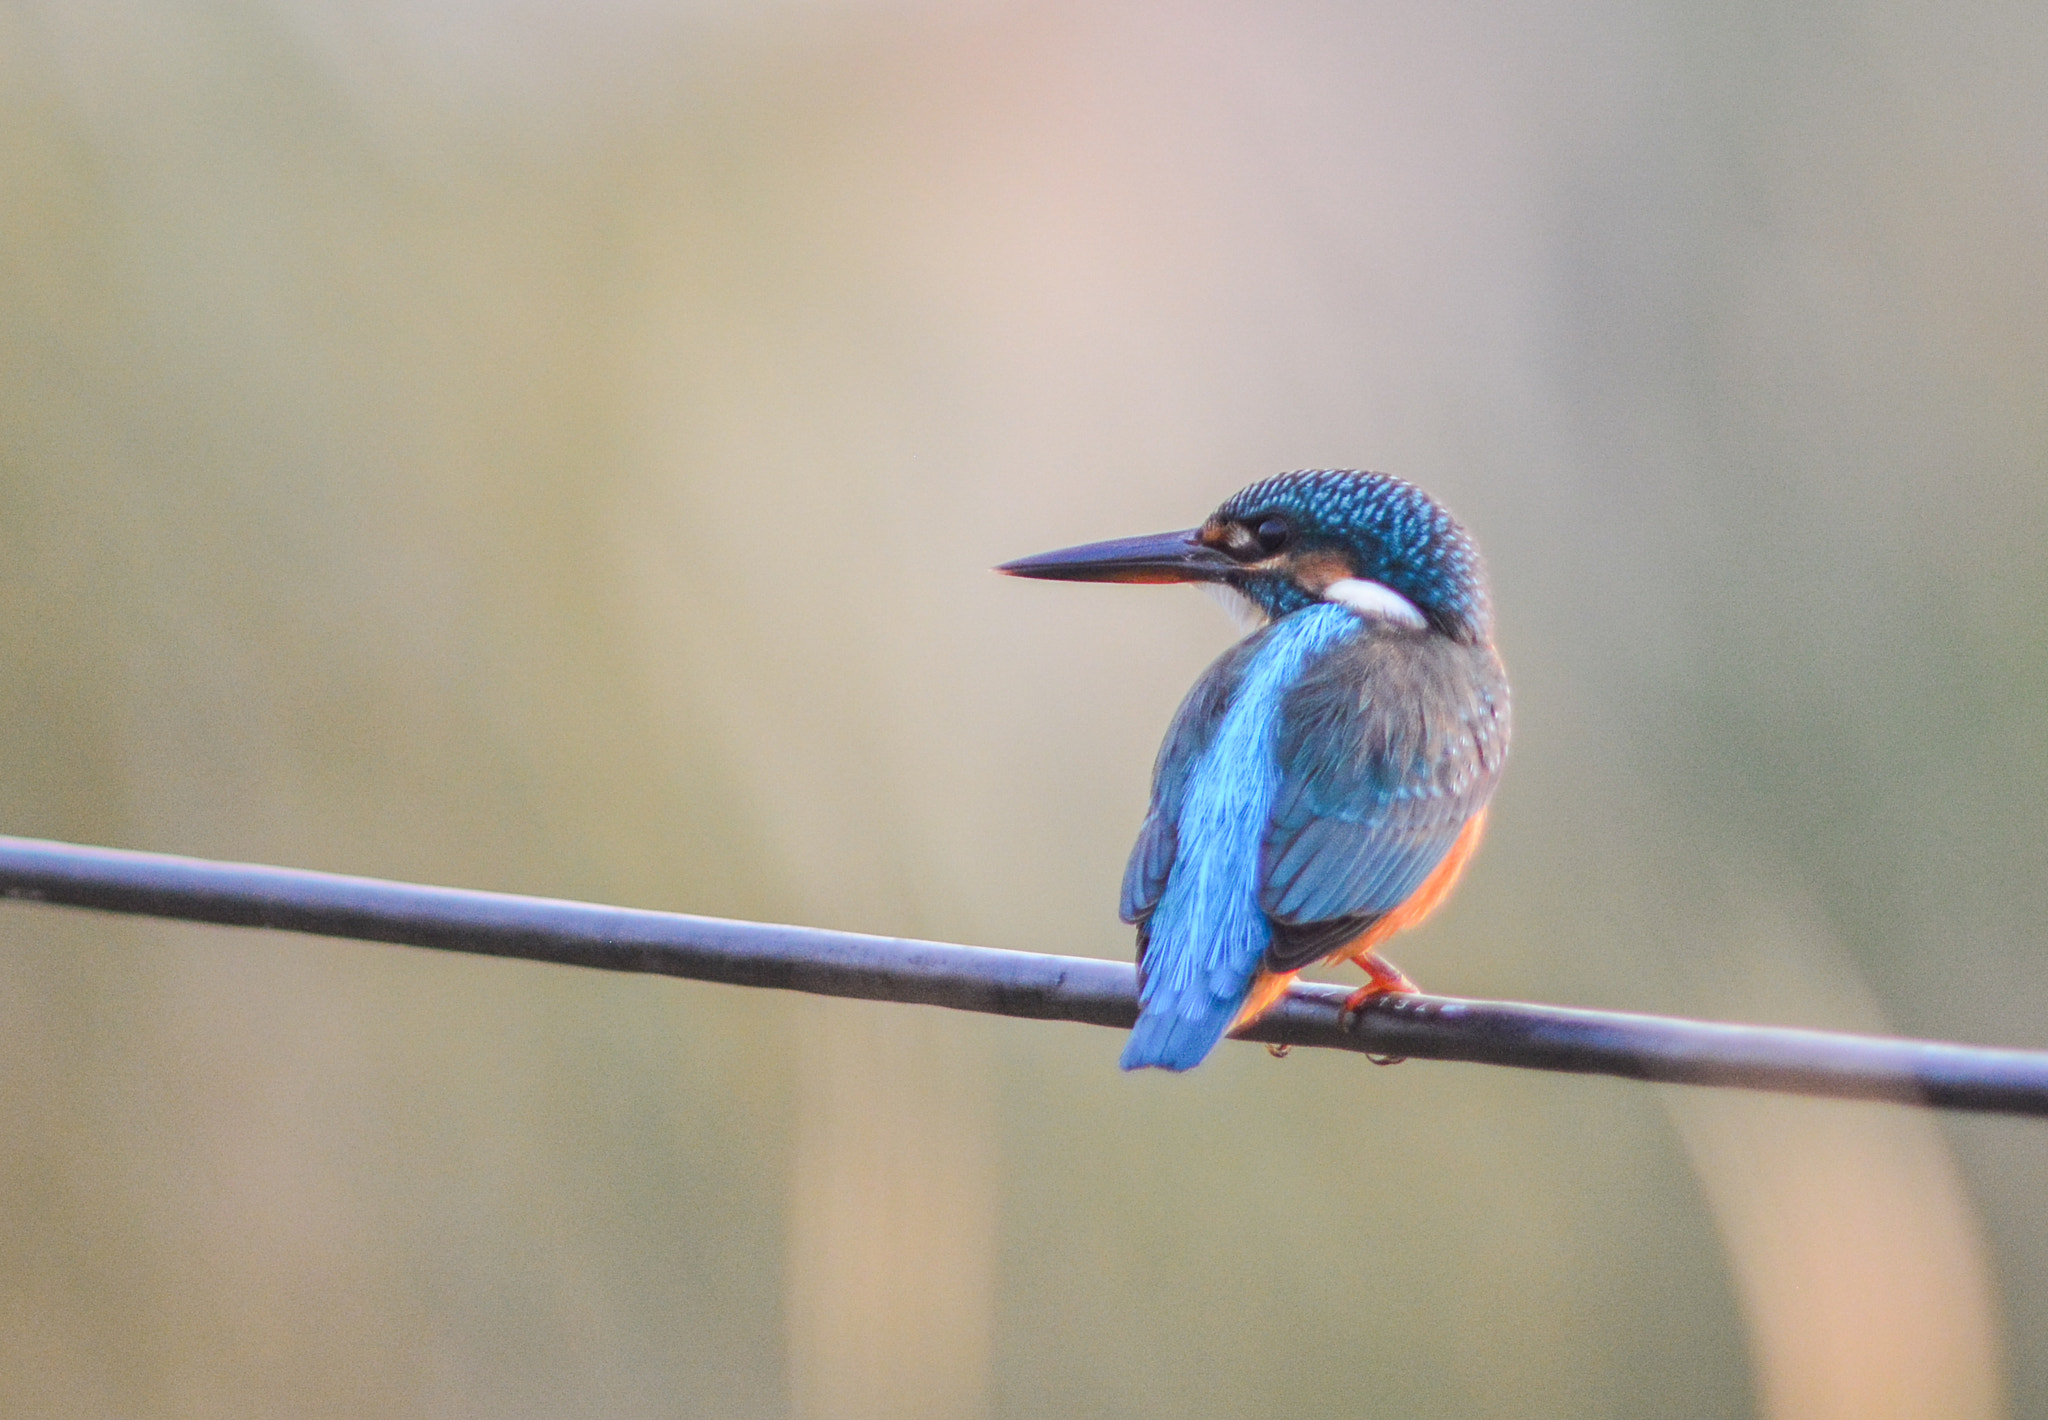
{"x":1162,"y":557}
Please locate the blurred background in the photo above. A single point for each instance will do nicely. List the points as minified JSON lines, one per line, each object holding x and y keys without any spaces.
{"x":560,"y":449}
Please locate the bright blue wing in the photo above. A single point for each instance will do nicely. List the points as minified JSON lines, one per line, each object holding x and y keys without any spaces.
{"x":1187,"y":738}
{"x":1387,"y":746}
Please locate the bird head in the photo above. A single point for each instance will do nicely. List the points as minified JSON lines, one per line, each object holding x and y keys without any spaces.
{"x":1369,"y":541}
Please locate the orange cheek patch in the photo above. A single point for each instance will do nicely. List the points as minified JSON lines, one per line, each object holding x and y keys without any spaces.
{"x":1315,"y":571}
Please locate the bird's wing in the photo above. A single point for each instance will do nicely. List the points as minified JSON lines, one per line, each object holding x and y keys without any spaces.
{"x":1194,"y":725}
{"x":1387,"y":746}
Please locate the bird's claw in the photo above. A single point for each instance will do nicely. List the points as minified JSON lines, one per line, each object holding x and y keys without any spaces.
{"x":1386,"y":980}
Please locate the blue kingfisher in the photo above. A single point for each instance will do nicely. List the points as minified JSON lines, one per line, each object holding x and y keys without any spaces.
{"x":1327,"y":779}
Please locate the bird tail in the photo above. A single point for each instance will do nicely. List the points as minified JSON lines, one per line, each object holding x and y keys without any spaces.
{"x":1194,"y":984}
{"x":1176,"y":1039}
{"x":1177,"y":1035}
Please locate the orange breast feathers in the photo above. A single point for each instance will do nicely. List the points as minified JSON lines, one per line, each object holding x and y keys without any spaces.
{"x":1272,"y":985}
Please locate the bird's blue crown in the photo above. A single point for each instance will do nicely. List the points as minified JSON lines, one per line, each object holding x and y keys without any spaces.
{"x":1390,"y":531}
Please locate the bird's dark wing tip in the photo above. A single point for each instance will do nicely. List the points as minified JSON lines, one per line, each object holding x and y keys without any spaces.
{"x":1297,"y":945}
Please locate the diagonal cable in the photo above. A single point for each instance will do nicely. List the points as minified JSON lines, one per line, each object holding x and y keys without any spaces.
{"x":1007,"y":983}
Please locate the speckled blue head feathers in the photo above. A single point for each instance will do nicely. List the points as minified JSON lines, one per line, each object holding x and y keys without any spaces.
{"x":1293,"y":535}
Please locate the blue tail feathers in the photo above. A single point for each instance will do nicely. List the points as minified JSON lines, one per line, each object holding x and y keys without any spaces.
{"x":1207,"y":934}
{"x":1175,"y":1038}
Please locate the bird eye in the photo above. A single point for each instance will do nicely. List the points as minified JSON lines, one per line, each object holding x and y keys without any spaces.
{"x":1273,"y":534}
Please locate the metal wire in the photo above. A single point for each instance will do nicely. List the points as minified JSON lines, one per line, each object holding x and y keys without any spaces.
{"x":1010,"y":983}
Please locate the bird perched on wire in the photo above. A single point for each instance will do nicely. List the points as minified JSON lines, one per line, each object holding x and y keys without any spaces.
{"x":1327,"y":779}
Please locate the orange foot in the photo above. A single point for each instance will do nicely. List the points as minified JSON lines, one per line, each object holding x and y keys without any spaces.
{"x":1386,"y":980}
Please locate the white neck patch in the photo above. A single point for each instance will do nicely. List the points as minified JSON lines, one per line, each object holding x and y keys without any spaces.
{"x":1375,"y":601}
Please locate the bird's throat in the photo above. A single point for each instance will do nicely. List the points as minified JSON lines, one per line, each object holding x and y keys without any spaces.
{"x":1246,"y":614}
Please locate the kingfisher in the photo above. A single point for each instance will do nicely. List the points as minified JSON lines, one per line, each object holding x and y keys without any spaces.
{"x":1326,"y":781}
